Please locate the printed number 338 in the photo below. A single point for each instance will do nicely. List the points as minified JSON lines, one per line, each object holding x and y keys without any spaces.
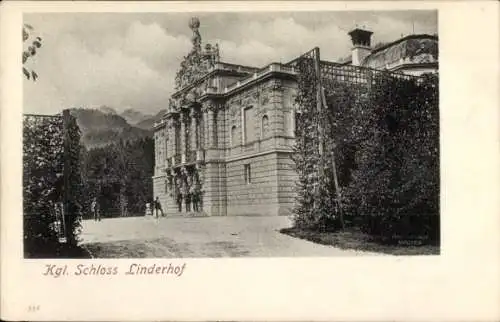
{"x":33,"y":308}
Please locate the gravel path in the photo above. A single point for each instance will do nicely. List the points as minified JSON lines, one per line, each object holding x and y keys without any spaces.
{"x":175,"y":237}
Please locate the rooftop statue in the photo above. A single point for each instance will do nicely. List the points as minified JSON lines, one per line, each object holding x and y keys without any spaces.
{"x":199,"y":61}
{"x":194,"y":24}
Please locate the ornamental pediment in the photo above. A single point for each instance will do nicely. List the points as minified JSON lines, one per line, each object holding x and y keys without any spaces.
{"x":199,"y":61}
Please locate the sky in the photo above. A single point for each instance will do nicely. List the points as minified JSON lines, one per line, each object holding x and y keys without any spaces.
{"x":129,"y":60}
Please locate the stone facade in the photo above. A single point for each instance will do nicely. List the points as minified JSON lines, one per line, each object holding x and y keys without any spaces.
{"x":235,"y":141}
{"x":224,"y":146}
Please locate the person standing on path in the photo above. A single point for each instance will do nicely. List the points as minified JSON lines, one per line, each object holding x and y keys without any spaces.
{"x":158,"y":207}
{"x":94,"y":207}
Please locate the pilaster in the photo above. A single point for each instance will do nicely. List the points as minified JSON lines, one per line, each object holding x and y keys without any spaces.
{"x":205,"y":129}
{"x":211,"y":128}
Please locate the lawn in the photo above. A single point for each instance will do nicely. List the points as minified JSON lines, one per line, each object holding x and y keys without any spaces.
{"x":352,"y":239}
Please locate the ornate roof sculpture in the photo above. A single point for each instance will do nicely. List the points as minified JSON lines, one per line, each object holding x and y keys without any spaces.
{"x":199,"y":61}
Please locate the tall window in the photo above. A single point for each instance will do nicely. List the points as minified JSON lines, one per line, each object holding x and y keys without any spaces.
{"x":264,"y":127}
{"x":248,"y":122}
{"x":248,"y":174}
{"x":233,"y":135}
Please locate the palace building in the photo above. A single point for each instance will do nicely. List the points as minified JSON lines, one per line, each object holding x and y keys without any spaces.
{"x":224,"y":145}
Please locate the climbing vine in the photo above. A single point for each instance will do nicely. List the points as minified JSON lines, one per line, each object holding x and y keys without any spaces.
{"x":383,"y":134}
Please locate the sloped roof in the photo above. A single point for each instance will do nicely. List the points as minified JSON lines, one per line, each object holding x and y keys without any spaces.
{"x":408,"y":47}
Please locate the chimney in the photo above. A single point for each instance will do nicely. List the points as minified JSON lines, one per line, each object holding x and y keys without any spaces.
{"x":361,"y":45}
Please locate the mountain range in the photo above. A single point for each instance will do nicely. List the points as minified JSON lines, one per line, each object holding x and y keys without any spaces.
{"x":104,"y":126}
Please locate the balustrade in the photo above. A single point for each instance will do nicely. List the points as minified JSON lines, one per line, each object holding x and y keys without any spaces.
{"x":274,"y":67}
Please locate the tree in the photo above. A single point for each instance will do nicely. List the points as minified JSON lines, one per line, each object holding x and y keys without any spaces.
{"x":120,"y":175}
{"x":30,"y":49}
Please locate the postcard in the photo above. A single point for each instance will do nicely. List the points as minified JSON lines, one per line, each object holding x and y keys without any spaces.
{"x":256,"y":161}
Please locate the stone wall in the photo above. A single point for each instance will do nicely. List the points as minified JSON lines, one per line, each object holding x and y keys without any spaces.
{"x":287,"y":177}
{"x":215,"y":189}
{"x":260,"y":196}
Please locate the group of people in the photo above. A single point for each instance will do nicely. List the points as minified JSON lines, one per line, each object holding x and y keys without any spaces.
{"x":193,"y":198}
{"x":188,"y":192}
{"x":96,"y":211}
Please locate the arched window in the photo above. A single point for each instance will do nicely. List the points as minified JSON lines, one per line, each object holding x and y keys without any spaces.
{"x":233,"y":135}
{"x":265,"y":127}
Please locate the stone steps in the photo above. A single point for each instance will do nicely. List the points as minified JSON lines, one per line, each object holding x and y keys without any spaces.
{"x":186,"y":214}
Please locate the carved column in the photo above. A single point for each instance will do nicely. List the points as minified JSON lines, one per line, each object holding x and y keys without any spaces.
{"x":199,"y":130}
{"x":193,"y":131}
{"x":178,"y":191}
{"x":183,"y":135}
{"x":199,"y":180}
{"x":184,"y":188}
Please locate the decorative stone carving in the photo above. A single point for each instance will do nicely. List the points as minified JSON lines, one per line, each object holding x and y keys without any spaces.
{"x":170,"y":182}
{"x":234,"y":111}
{"x":276,"y":85}
{"x":209,"y":107}
{"x":201,"y":174}
{"x":262,"y":111}
{"x":198,"y":62}
{"x":171,"y":123}
{"x":194,"y":24}
{"x":256,"y":96}
{"x":264,"y":98}
{"x":184,"y":117}
{"x":205,"y":107}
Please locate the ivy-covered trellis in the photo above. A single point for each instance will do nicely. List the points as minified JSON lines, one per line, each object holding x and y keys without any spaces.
{"x":367,"y":150}
{"x":52,"y":183}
